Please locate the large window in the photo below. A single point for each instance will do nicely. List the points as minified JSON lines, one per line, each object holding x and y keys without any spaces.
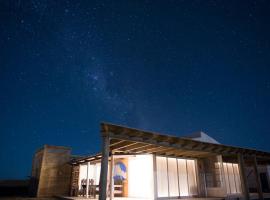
{"x":176,"y":177}
{"x":173,"y":177}
{"x":183,"y":177}
{"x":140,"y":177}
{"x":232,"y":178}
{"x":162,"y":177}
{"x":93,"y":173}
{"x":191,"y":177}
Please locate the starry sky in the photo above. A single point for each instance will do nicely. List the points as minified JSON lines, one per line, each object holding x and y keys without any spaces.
{"x":174,"y":67}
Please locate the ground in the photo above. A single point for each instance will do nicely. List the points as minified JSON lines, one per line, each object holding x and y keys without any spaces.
{"x":26,"y":198}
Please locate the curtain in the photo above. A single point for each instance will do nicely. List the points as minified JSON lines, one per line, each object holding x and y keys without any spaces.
{"x":237,"y":178}
{"x":183,"y":178}
{"x":192,"y":177}
{"x":225,"y":166}
{"x":176,"y":177}
{"x":97,"y":173}
{"x":232,"y":178}
{"x":162,"y":177}
{"x":140,"y":177}
{"x":173,"y":177}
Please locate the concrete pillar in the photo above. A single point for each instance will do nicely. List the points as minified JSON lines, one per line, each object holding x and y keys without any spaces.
{"x":258,"y":178}
{"x":104,"y":167}
{"x":243,"y":176}
{"x":111,"y":178}
{"x":87,"y":179}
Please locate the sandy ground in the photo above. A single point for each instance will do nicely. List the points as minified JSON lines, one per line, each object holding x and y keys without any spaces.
{"x":26,"y":198}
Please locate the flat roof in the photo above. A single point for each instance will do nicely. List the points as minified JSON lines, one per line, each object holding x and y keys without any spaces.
{"x":126,"y":140}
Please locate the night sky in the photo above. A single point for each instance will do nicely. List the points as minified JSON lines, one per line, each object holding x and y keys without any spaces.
{"x":173,"y":67}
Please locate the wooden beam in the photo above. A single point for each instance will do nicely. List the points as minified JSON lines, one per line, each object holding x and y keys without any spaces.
{"x":122,"y":148}
{"x":243,"y":176}
{"x":135,"y":147}
{"x":160,"y":150}
{"x":151,"y":150}
{"x":258,"y":178}
{"x":104,"y":168}
{"x":162,"y":138}
{"x":166,"y":151}
{"x":200,"y":146}
{"x":121,"y":145}
{"x":130,"y":134}
{"x":143,"y":148}
{"x":179,"y":145}
{"x":170,"y":153}
{"x":116,"y":143}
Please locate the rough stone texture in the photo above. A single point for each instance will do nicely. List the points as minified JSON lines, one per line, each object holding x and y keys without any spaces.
{"x":51,"y":171}
{"x":35,"y":175}
{"x":74,"y":180}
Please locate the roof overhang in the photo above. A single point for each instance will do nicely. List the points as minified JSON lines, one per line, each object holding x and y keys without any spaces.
{"x":125,"y":140}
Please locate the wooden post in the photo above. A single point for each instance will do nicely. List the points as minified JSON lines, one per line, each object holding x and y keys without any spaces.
{"x":104,"y":167}
{"x":258,"y":178}
{"x":87,"y":180}
{"x":111,"y":177}
{"x":243,"y":177}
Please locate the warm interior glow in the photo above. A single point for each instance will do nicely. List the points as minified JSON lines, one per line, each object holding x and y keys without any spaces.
{"x":162,"y":177}
{"x":237,"y":178}
{"x":232,"y":178}
{"x":140,"y":177}
{"x":192,"y":182}
{"x":183,"y":178}
{"x":176,"y":177}
{"x":97,"y":173}
{"x":173,"y":177}
{"x":82,"y":175}
{"x":93,"y":173}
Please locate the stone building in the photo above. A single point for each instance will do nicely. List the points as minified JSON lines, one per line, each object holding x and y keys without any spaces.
{"x":136,"y":164}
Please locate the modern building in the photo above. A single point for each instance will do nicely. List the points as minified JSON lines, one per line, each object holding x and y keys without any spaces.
{"x":136,"y":164}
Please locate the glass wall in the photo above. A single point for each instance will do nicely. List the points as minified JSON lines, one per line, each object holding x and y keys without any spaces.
{"x":82,"y":175}
{"x":162,"y":177}
{"x":183,"y":177}
{"x":93,"y":173}
{"x":232,"y":178}
{"x":173,"y":177}
{"x":140,"y":177}
{"x":176,"y":177}
{"x":192,"y":177}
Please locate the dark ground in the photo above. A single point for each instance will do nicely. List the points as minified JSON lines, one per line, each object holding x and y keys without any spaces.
{"x":12,"y":188}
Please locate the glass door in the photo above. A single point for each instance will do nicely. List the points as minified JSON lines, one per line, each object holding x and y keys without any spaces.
{"x":176,"y":177}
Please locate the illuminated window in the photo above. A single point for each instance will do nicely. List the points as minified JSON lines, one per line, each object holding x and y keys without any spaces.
{"x":140,"y":177}
{"x":162,"y":177}
{"x":232,"y":178}
{"x":176,"y":177}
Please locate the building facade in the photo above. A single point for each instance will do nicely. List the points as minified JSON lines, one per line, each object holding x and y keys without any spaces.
{"x":51,"y":172}
{"x":145,"y":165}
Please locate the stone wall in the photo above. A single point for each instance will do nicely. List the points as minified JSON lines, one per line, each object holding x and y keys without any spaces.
{"x":75,"y":180}
{"x":55,"y":171}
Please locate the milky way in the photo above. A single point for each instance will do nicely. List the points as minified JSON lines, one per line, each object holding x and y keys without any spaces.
{"x":169,"y":66}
